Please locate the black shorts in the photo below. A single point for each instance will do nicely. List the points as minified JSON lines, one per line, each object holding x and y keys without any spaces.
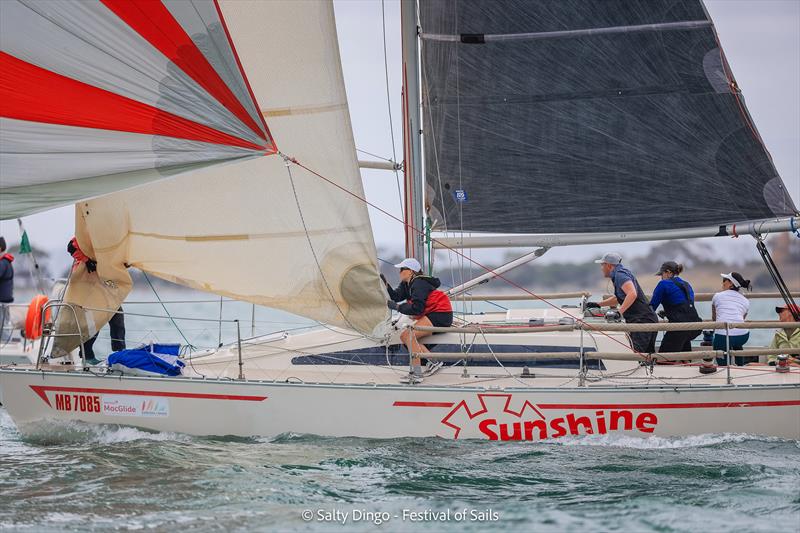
{"x":441,"y":319}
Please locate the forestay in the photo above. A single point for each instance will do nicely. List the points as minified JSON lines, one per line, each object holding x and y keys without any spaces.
{"x":586,"y":116}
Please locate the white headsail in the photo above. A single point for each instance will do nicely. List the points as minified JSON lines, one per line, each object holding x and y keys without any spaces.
{"x":237,"y":223}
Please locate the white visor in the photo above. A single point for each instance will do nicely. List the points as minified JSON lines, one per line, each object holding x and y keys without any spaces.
{"x":409,"y":263}
{"x":730,"y":278}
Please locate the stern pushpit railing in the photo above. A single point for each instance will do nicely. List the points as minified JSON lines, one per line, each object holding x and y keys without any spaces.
{"x":49,"y":329}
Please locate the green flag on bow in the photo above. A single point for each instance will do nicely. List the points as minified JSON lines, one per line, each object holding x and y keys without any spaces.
{"x":24,"y":244}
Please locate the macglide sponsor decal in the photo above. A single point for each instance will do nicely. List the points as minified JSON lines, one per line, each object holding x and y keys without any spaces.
{"x":123,"y":405}
{"x":500,"y":417}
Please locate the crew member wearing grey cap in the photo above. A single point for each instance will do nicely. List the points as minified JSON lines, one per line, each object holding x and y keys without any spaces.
{"x":633,"y":304}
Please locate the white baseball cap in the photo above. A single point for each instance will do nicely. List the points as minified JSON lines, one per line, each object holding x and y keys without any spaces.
{"x":409,"y":263}
{"x":611,"y":258}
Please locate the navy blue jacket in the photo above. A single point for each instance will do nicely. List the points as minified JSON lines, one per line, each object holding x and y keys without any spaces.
{"x":669,"y":293}
{"x":6,"y":279}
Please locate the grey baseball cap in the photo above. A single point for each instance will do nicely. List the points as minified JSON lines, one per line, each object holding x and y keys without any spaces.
{"x":611,"y":258}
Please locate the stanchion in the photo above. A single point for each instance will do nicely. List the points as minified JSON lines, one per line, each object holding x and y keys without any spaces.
{"x":728,"y":351}
{"x":239,"y":345}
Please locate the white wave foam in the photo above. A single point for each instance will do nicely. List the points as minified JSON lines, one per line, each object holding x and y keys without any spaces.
{"x":654,"y":442}
{"x":72,"y":431}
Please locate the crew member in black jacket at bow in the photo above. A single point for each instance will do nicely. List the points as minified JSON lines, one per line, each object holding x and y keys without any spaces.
{"x":6,"y":288}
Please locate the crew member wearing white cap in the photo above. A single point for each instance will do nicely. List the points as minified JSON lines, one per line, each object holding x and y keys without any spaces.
{"x":730,"y":305}
{"x":422,"y":300}
{"x":633,"y":304}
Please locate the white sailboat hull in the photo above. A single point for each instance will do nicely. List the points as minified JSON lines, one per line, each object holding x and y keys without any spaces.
{"x":224,"y":407}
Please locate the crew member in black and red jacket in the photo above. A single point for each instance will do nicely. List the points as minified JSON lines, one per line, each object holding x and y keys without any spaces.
{"x":422,"y":300}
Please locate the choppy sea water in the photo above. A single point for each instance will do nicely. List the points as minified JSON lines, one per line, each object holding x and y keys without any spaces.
{"x":95,"y":478}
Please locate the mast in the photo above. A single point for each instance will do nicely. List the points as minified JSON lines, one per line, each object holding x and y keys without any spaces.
{"x":414,"y":213}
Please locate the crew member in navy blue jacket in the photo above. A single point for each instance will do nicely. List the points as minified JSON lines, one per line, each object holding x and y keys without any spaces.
{"x":6,"y":288}
{"x":6,"y":274}
{"x":677,"y":297}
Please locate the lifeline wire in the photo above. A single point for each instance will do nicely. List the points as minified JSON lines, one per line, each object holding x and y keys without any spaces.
{"x":165,"y":309}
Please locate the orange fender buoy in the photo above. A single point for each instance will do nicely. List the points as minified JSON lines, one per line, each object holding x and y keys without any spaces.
{"x":33,"y":320}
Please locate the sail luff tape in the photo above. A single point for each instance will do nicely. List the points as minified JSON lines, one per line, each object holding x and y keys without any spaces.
{"x":480,"y":38}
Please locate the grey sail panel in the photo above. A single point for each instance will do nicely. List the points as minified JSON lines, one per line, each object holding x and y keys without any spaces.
{"x":586,"y":115}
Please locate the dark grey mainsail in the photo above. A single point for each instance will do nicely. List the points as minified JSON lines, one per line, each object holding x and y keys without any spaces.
{"x":558,"y":116}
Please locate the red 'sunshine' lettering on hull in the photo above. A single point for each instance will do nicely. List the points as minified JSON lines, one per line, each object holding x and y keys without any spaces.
{"x":42,"y":391}
{"x":527,"y":422}
{"x":600,"y":423}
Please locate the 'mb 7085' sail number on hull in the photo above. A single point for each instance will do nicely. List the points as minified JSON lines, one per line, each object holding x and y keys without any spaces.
{"x":113,"y":404}
{"x":78,"y":402}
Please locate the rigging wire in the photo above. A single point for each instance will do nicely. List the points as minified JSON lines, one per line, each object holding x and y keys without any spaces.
{"x":287,"y":160}
{"x":457,"y":252}
{"x":772,"y":268}
{"x":376,"y":156}
{"x":460,"y":181}
{"x":155,"y":292}
{"x":389,"y":105}
{"x":450,"y":260}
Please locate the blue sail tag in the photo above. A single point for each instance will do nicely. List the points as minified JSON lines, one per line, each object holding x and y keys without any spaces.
{"x":460,"y":195}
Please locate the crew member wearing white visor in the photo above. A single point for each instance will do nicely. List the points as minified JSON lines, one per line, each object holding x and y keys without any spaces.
{"x":730,"y":305}
{"x":422,"y":300}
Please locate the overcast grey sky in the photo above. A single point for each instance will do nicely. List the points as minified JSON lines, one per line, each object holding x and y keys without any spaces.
{"x":761,"y":39}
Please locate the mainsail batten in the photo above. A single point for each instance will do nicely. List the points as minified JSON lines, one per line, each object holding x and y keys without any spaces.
{"x":579,"y":116}
{"x":477,"y":38}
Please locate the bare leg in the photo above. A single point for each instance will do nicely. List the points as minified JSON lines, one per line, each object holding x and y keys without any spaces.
{"x":411,"y":339}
